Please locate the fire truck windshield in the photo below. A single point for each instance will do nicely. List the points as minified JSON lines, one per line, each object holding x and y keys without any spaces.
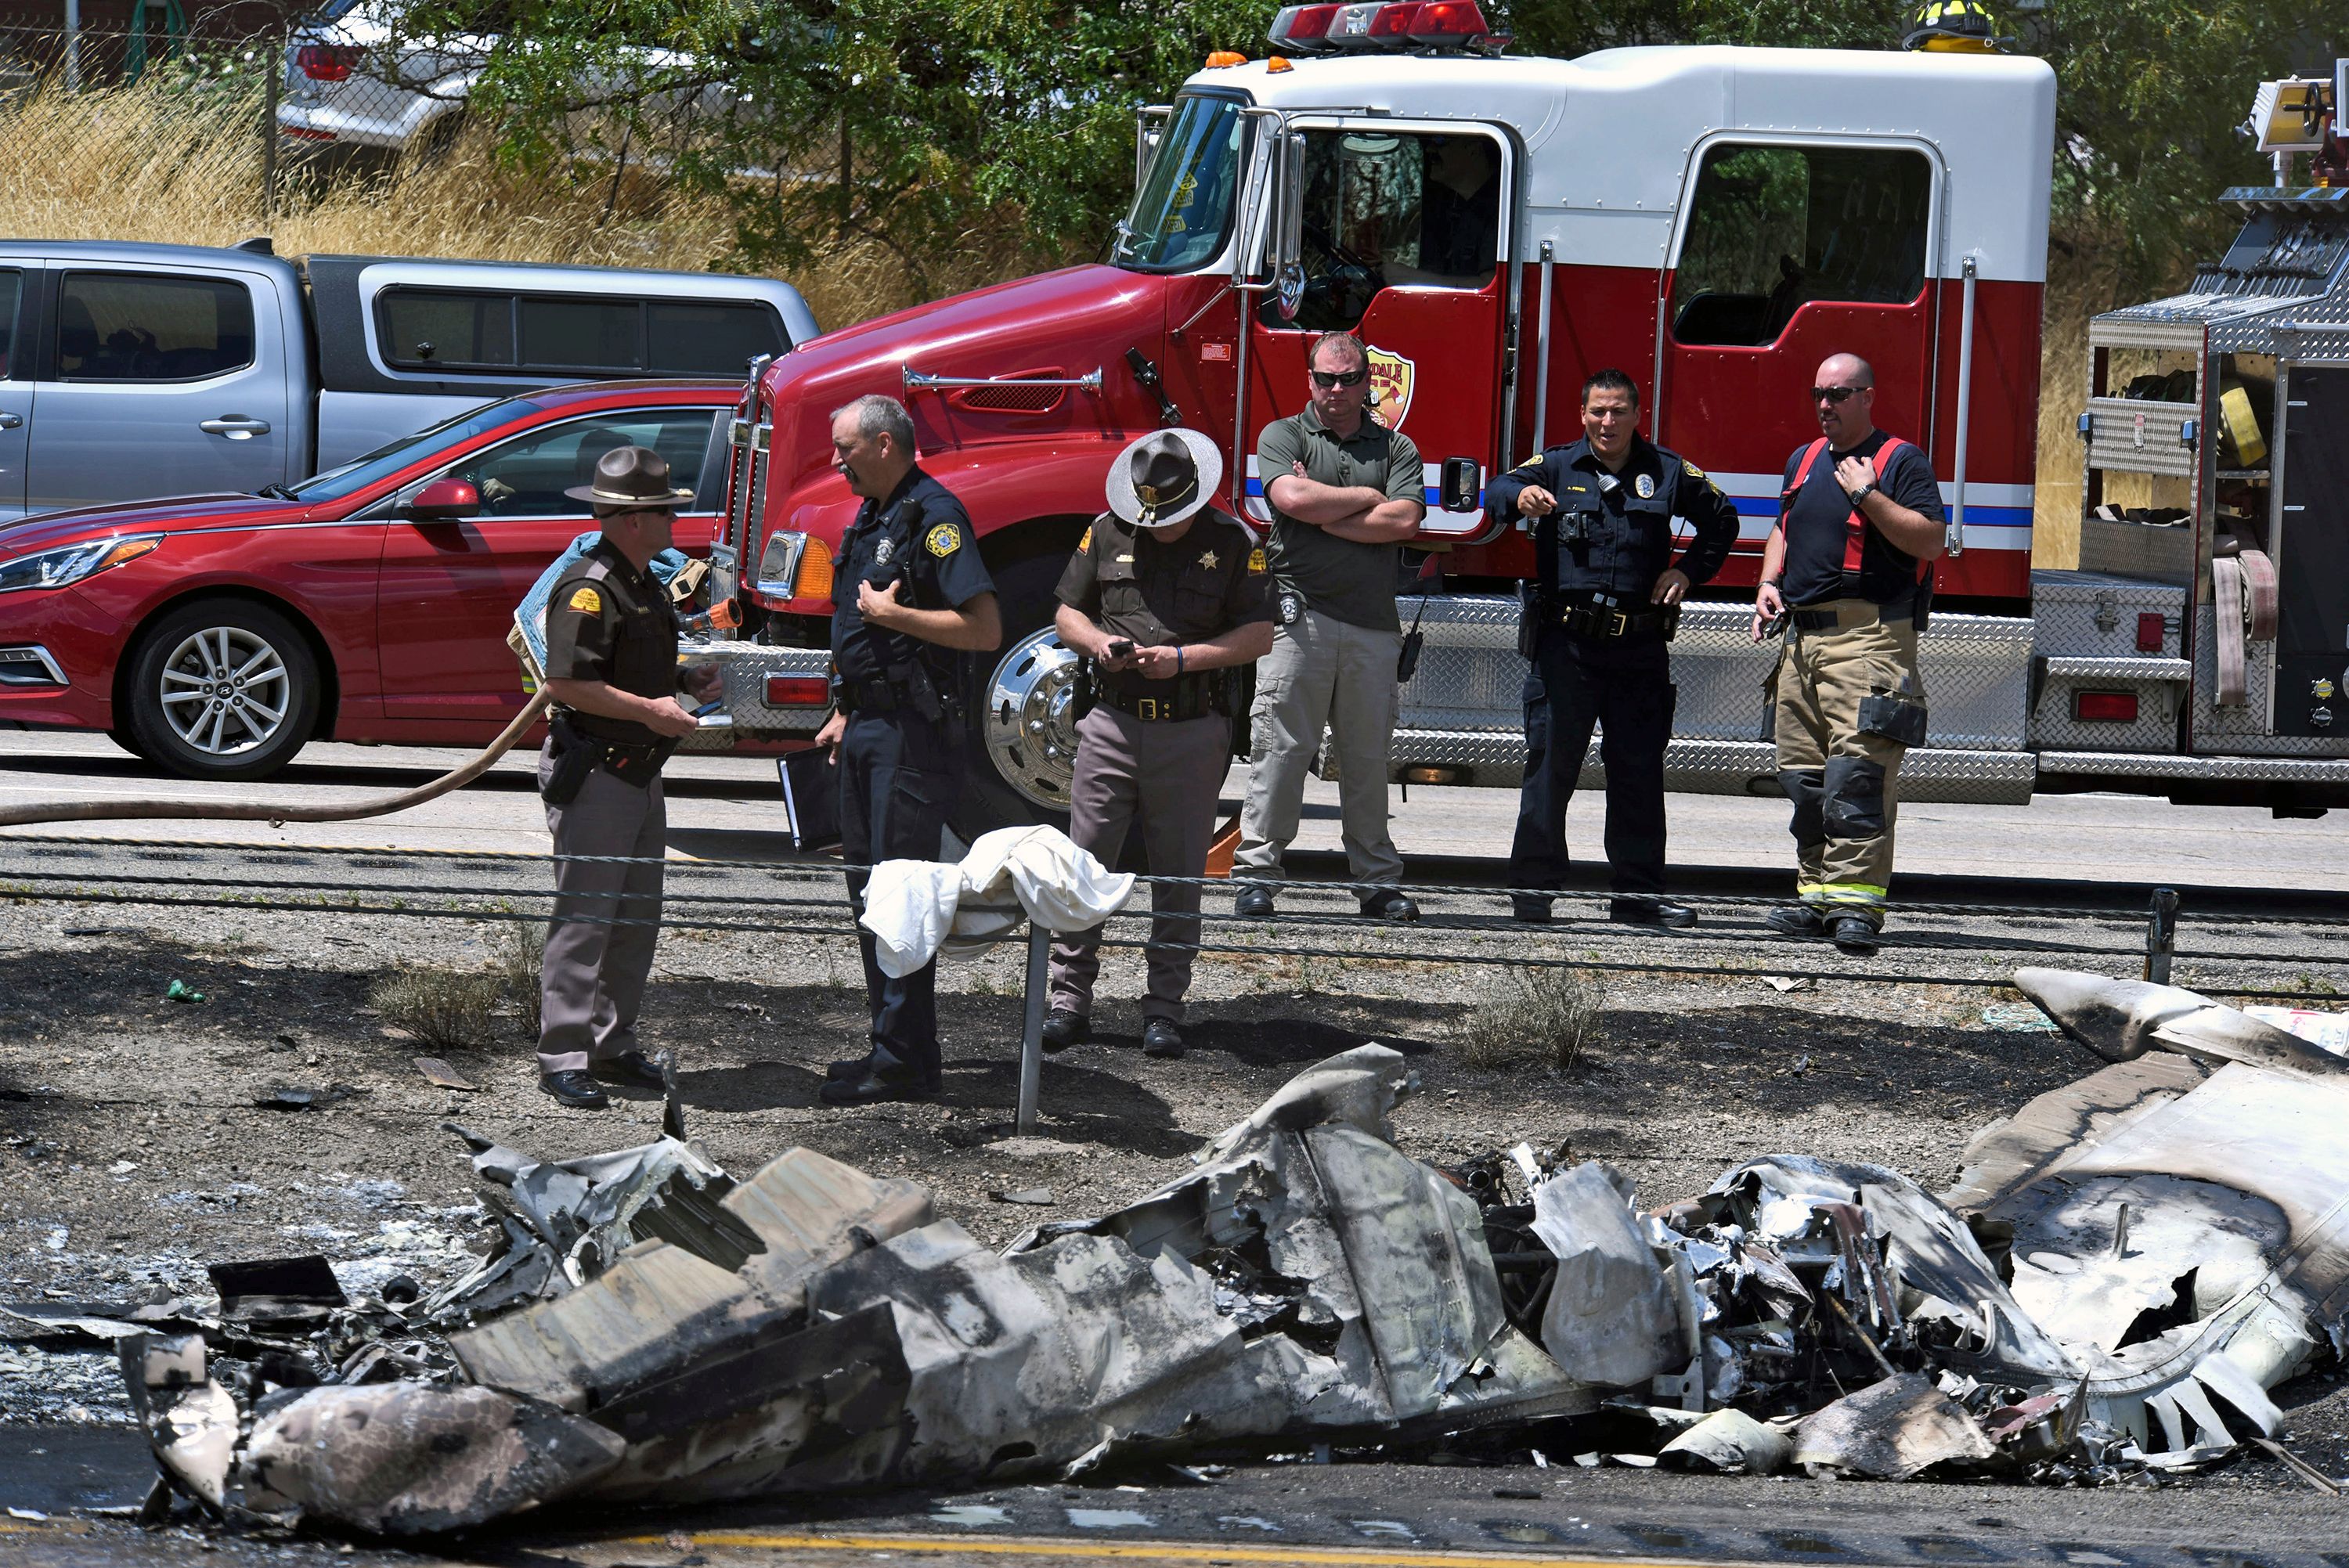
{"x":1184,"y":208}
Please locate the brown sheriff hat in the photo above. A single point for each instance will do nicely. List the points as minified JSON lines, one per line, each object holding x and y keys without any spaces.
{"x":631,"y":479}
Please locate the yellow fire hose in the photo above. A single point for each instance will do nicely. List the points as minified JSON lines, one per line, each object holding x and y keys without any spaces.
{"x":379,"y":806}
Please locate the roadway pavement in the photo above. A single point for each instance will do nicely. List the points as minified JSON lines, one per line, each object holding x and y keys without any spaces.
{"x":728,"y":807}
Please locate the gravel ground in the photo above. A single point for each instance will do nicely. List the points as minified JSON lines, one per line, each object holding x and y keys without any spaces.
{"x":134,"y":1153}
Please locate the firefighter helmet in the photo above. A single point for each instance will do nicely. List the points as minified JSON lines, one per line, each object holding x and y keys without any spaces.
{"x":1953,"y":27}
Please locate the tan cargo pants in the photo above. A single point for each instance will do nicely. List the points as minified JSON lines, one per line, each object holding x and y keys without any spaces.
{"x":1848,"y":705}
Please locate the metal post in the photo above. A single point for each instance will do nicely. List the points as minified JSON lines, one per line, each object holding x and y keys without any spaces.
{"x":1953,"y":538}
{"x":1032,"y":1036}
{"x":1541,"y":352}
{"x":2161,"y":935}
{"x":276,"y":82}
{"x":73,"y":46}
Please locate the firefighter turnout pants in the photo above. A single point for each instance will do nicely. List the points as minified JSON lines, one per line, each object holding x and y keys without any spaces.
{"x":1848,"y":706}
{"x":1166,"y":775}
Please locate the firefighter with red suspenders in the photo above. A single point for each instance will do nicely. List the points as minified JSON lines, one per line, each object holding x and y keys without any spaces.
{"x":1849,"y":572}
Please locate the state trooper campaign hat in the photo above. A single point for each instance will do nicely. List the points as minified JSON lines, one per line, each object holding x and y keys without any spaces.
{"x":631,"y":479}
{"x":1164,"y":478}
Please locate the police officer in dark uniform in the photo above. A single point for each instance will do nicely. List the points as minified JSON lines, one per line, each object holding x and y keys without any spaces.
{"x":1165,"y":595}
{"x":1606,"y":600}
{"x":910,"y":598}
{"x":611,"y":668}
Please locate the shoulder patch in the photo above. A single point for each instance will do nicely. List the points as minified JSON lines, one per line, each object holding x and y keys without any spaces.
{"x":1690,"y":470}
{"x":586,"y":600}
{"x":943,"y":540}
{"x":1086,"y":542}
{"x":1255,"y":564}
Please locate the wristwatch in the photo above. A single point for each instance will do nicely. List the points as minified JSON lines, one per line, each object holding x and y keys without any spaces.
{"x":1861,"y":494}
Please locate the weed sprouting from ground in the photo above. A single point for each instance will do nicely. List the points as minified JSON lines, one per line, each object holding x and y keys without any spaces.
{"x":1534,"y":1018}
{"x":448,"y":1009}
{"x":520,"y":950}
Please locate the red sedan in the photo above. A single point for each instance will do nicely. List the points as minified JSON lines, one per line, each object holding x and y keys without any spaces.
{"x":214,"y":635}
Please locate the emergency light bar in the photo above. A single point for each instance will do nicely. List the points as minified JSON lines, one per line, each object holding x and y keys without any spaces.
{"x":1328,"y":29}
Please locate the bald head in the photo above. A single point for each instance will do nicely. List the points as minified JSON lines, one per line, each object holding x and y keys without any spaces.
{"x":1843,"y":396}
{"x":1846,"y":370}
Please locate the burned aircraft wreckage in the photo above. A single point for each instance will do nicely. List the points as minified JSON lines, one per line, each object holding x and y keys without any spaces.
{"x":2124,"y":1270}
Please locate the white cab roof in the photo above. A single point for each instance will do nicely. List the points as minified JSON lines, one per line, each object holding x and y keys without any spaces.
{"x":1612,"y":138}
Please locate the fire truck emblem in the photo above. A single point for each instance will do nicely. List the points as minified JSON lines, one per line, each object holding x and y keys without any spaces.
{"x":1391,"y":383}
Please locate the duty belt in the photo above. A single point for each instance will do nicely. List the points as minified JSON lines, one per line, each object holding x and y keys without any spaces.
{"x":875,"y":695}
{"x":1828,"y":620}
{"x":1184,"y":696}
{"x":1591,"y":620}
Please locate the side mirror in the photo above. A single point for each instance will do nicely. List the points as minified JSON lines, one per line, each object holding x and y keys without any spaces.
{"x":445,"y":499}
{"x":1288,"y":207}
{"x":1463,"y":488}
{"x":1149,"y":124}
{"x":1289,"y":292}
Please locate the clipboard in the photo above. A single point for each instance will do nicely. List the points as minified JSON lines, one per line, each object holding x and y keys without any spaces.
{"x":811,"y":799}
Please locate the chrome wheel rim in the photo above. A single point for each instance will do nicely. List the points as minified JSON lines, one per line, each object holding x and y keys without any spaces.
{"x":1031,"y":735}
{"x":224,"y":691}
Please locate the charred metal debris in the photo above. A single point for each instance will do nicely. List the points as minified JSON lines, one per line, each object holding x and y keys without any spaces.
{"x":2124,"y":1270}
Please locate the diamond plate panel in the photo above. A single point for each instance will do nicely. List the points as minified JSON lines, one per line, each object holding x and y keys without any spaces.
{"x":2245,"y":730}
{"x":746,"y":666}
{"x":2130,"y":669}
{"x":2093,"y":614}
{"x":1471,"y":677}
{"x":2139,"y":437}
{"x":2155,"y":728}
{"x":2138,"y":550}
{"x":2218,"y":770}
{"x":1729,"y":766}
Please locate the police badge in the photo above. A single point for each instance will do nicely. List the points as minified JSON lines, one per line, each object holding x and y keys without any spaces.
{"x":1646,"y":485}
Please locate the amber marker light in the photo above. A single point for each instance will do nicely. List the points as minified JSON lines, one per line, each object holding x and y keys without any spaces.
{"x":1279,"y":63}
{"x":1223,"y":57}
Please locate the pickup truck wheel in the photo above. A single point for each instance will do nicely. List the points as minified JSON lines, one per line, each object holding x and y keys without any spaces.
{"x":1022,"y":746}
{"x":221,"y":689}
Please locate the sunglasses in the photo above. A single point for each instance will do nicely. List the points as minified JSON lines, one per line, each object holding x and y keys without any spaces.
{"x":1326,"y":379}
{"x":1836,"y":394}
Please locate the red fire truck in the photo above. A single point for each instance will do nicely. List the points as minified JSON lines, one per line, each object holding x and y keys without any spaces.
{"x":1715,"y":220}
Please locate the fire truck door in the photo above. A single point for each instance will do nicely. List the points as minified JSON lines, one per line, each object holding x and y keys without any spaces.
{"x":1788,"y":254}
{"x":1403,"y":229}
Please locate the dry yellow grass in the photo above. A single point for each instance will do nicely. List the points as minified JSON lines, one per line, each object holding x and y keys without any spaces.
{"x":150,"y":163}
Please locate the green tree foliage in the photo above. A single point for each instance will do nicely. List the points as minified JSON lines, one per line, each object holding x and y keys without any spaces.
{"x":952,"y":114}
{"x":958,"y":114}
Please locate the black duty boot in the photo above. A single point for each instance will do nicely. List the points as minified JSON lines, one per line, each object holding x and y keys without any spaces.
{"x":629,"y":1068}
{"x":874,"y":1088}
{"x":1852,"y":934}
{"x":1063,"y":1027}
{"x":850,"y":1067}
{"x":1530,"y":911}
{"x":1652,"y":911}
{"x":1161,"y":1037}
{"x":1388,"y":904}
{"x":1795,"y":920}
{"x":574,"y":1089}
{"x":1253,"y":902}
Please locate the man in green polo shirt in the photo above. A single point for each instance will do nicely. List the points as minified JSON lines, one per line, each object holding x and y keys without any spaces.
{"x":1344,"y":492}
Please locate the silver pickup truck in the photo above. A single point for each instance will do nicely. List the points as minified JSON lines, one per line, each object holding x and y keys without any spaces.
{"x":135,"y":370}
